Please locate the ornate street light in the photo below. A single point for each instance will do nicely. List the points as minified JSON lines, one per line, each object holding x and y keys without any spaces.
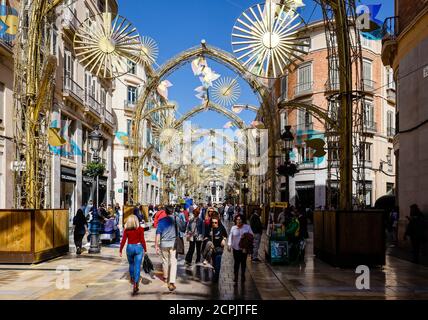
{"x":288,"y":169}
{"x":96,"y":139}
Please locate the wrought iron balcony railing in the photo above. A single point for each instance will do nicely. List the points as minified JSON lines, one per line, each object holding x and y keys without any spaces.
{"x":129,"y":105}
{"x":391,"y":132}
{"x":390,"y":28}
{"x":304,"y":88}
{"x":370,"y":126}
{"x":93,"y":104}
{"x":369,"y":85}
{"x":332,"y":86}
{"x":72,"y":88}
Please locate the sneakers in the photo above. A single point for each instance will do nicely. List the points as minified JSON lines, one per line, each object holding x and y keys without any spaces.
{"x":172,"y":287}
{"x":135,"y":289}
{"x":205,"y":262}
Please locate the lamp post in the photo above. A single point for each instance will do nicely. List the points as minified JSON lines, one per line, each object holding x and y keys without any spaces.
{"x":96,"y":139}
{"x":287,"y":169}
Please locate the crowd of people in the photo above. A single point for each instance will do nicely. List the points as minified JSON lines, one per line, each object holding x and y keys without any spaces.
{"x":203,"y":228}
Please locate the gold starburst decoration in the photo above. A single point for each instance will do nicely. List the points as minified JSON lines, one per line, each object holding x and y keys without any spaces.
{"x":226,"y":91}
{"x":265,"y":40}
{"x":150,"y":50}
{"x":106,"y":46}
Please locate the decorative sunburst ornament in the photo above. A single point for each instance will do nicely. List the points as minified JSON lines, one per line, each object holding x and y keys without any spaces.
{"x":226,"y":91}
{"x":150,"y":50}
{"x":265,"y":38}
{"x":105,"y":45}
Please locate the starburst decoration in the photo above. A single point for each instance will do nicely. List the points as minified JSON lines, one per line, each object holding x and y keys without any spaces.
{"x":106,"y":45}
{"x":150,"y":50}
{"x":226,"y":91}
{"x":265,"y":40}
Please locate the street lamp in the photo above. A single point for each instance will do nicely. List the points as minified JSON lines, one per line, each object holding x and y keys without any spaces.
{"x":288,"y":169}
{"x":96,"y":139}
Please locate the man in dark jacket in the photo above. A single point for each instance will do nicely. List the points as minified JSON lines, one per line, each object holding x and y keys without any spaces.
{"x":257,"y":228}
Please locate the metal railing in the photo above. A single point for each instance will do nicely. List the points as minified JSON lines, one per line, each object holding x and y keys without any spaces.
{"x":93,"y":104}
{"x":391,"y":95}
{"x":369,"y":85}
{"x":130,"y":105}
{"x":391,"y":132}
{"x":303,"y":128}
{"x":370,"y":126}
{"x":108,"y":116}
{"x":390,"y":28}
{"x":71,"y":87}
{"x":332,"y":85}
{"x":304,"y":88}
{"x":69,"y":20}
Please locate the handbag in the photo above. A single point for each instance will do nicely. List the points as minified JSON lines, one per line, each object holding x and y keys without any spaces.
{"x":147,"y":264}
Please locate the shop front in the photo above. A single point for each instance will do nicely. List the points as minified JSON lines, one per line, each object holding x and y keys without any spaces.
{"x":88,"y":187}
{"x":68,"y":190}
{"x":305,"y":194}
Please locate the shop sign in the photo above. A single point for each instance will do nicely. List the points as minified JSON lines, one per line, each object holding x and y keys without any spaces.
{"x":65,"y":177}
{"x":279,"y":205}
{"x":68,"y":174}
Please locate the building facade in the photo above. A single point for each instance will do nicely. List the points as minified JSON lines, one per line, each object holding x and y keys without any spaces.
{"x":81,"y":103}
{"x":404,"y":49}
{"x":125,"y":100}
{"x":309,"y":83}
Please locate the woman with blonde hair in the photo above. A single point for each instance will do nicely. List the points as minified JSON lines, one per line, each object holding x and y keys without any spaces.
{"x":135,"y":250}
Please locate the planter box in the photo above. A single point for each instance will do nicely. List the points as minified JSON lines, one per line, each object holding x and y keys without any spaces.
{"x":33,"y":236}
{"x":350,"y":239}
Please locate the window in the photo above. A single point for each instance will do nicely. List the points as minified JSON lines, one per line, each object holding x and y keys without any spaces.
{"x":369,"y":115}
{"x":333,"y":150}
{"x":390,"y":124}
{"x":304,"y":78}
{"x":284,"y":119}
{"x":284,"y":88}
{"x":305,"y":120}
{"x":366,"y":152}
{"x":129,"y":128}
{"x":305,"y":154}
{"x":103,"y":98}
{"x":333,"y":110}
{"x":132,"y":66}
{"x":54,"y":49}
{"x":149,"y":136}
{"x":366,"y":43}
{"x":334,"y":74}
{"x":2,"y":103}
{"x":390,"y":78}
{"x":68,"y":68}
{"x":126,"y":164}
{"x":132,"y":94}
{"x":367,"y":73}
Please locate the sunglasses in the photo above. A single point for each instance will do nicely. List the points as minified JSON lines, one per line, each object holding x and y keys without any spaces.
{"x":215,"y":222}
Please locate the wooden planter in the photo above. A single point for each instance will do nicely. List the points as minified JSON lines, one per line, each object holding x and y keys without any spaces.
{"x":33,"y":236}
{"x":350,"y":239}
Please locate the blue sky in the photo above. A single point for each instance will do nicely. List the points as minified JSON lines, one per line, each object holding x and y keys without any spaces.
{"x":179,"y":25}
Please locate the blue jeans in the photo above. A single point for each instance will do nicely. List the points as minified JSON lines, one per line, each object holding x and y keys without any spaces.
{"x":217,"y":266}
{"x":135,"y":254}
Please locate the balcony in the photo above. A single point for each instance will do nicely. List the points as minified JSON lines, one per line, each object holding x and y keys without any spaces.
{"x":129,"y":105}
{"x":303,"y":128}
{"x":69,"y":21}
{"x":389,"y":41}
{"x":370,"y":127}
{"x":306,"y":165}
{"x":391,"y":132}
{"x":73,"y":90}
{"x":332,"y":86}
{"x":391,"y":96}
{"x":303,"y":89}
{"x":108,"y":117}
{"x":369,"y":85}
{"x":93,"y":105}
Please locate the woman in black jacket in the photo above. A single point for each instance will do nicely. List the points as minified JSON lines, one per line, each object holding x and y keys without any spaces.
{"x":218,"y":237}
{"x":80,"y":228}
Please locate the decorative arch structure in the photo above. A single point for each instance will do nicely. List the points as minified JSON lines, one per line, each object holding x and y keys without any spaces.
{"x":267,"y":110}
{"x":214,"y":107}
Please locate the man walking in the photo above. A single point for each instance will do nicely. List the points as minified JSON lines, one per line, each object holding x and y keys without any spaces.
{"x":166,"y":235}
{"x":257,"y":228}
